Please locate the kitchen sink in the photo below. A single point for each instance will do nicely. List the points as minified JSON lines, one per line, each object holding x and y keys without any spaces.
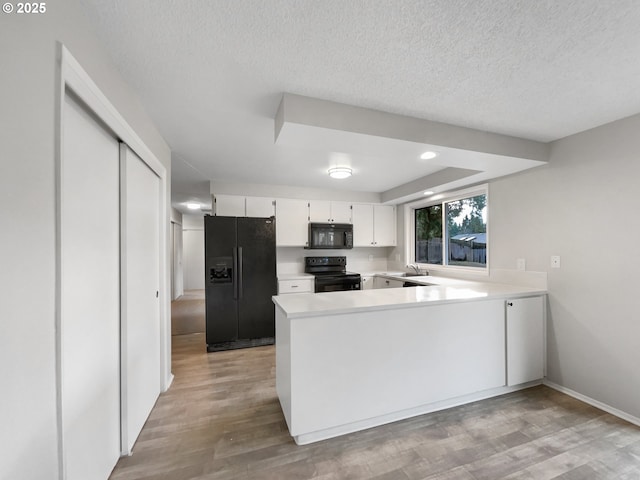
{"x":410,"y":274}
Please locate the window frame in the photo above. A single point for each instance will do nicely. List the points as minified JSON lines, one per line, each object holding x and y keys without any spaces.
{"x":442,"y":199}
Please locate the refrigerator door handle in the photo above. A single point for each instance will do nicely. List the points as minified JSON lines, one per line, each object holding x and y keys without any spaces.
{"x":240,"y":273}
{"x":234,"y":277}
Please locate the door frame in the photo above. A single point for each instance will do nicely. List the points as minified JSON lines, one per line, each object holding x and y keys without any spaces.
{"x":72,"y":77}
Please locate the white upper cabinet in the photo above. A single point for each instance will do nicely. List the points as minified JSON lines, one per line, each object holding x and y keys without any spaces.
{"x":319,"y":211}
{"x":260,"y":207}
{"x":362,"y":215}
{"x":230,"y":205}
{"x":384,"y":225}
{"x":326,"y":211}
{"x":374,"y":225}
{"x":341,"y":212}
{"x":240,"y":206}
{"x":292,"y":222}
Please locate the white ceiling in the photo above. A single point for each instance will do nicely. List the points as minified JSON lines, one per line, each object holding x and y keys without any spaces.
{"x":211,"y":74}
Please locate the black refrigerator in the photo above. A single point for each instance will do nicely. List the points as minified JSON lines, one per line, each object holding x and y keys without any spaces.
{"x":240,"y":279}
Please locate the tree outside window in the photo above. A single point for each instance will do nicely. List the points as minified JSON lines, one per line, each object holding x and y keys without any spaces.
{"x":429,"y":235}
{"x":467,"y":231}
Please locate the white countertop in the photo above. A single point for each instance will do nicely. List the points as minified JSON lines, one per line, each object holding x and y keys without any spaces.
{"x":426,"y":279}
{"x":441,"y":290}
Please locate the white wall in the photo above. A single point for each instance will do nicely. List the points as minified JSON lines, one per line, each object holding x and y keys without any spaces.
{"x":28,"y":139}
{"x":583,"y":207}
{"x":193,"y":251}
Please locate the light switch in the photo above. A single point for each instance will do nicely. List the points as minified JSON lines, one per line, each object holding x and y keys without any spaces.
{"x":521,"y":264}
{"x":555,"y":261}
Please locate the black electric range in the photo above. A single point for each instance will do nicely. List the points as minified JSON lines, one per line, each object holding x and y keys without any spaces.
{"x":331,"y":274}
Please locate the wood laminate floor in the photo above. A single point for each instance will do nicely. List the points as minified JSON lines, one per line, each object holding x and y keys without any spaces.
{"x":221,"y":420}
{"x":188,"y":313}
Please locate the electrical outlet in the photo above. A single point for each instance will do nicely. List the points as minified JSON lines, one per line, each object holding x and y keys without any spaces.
{"x":521,"y":264}
{"x":371,"y":258}
{"x":397,"y":257}
{"x":555,"y":261}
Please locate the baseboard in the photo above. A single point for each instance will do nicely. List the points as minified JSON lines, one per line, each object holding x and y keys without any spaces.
{"x":595,"y":403}
{"x":359,"y":425}
{"x":236,"y":344}
{"x":168,"y":383}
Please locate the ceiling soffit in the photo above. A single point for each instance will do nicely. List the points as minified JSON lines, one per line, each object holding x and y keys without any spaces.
{"x":466,"y":156}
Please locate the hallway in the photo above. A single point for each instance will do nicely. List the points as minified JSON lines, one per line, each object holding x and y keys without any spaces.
{"x":188,"y":313}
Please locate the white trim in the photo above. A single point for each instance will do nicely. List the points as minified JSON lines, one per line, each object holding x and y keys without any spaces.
{"x":77,"y":79}
{"x":59,"y":159}
{"x":124,"y":410}
{"x":74,"y":78}
{"x":442,"y":198}
{"x":595,"y":403}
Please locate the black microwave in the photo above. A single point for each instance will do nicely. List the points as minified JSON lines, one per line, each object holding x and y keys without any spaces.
{"x":330,"y":235}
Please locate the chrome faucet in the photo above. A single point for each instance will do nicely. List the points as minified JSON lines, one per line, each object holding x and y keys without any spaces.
{"x":416,"y":268}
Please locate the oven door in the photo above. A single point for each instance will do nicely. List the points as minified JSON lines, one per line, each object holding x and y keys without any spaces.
{"x":336,"y":283}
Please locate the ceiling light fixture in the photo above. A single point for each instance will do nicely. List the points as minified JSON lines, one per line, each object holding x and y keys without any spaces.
{"x":193,"y":206}
{"x":340,"y":172}
{"x":429,"y":192}
{"x":428,"y":155}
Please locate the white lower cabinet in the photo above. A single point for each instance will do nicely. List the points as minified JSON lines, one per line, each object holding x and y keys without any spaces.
{"x":381,"y":282}
{"x":525,"y":339}
{"x":367,"y":282}
{"x":295,"y":286}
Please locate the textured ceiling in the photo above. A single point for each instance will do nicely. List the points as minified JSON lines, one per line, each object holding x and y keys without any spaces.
{"x":211,"y":73}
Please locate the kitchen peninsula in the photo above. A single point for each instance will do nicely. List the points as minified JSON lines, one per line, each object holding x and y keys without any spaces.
{"x":347,"y":361}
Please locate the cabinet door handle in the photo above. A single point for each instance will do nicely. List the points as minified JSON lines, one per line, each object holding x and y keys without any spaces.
{"x":509,"y":304}
{"x":294,"y":286}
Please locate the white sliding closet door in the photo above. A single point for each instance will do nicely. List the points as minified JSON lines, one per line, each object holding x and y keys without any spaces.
{"x":141,"y":375}
{"x":89,"y":296}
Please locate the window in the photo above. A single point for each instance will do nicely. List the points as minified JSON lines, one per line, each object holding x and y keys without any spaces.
{"x":451,"y":231}
{"x":428,"y":241}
